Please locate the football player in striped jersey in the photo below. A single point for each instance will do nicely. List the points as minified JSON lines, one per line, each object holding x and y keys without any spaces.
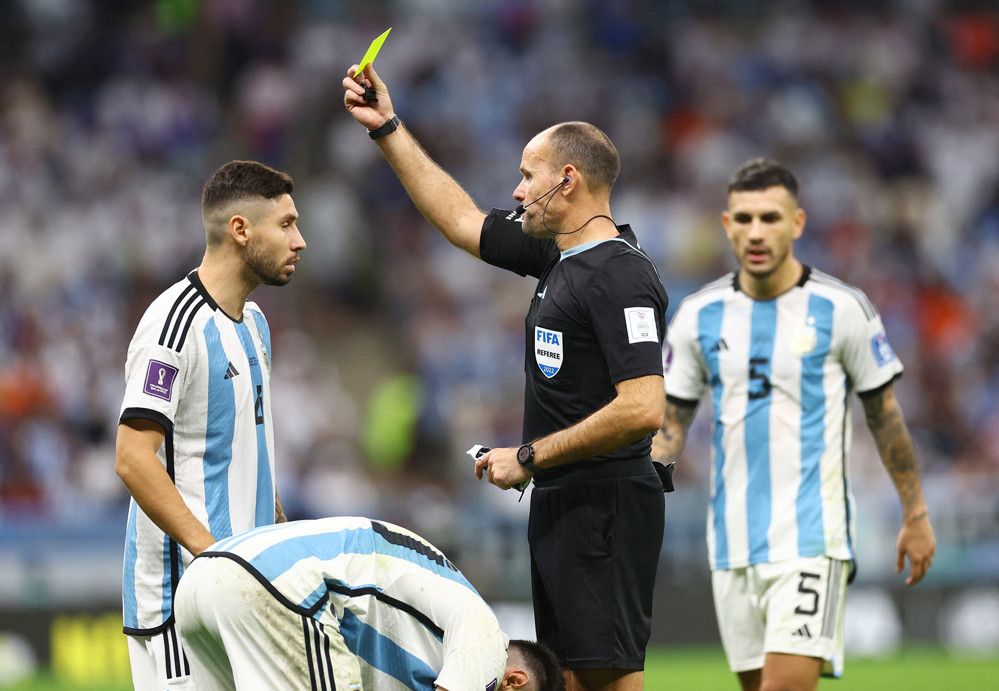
{"x":346,"y":603}
{"x":195,"y":442}
{"x":780,"y":348}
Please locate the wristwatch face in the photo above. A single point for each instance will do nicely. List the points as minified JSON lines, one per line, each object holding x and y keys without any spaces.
{"x":524,"y":454}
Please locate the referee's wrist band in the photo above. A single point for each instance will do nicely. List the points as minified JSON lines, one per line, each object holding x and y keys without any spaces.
{"x":386,"y":129}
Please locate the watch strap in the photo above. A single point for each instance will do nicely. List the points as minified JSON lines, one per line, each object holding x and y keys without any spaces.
{"x":386,"y":129}
{"x":528,"y":460}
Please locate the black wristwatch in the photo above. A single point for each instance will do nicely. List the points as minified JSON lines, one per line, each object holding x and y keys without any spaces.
{"x":388,"y":128}
{"x":525,"y":457}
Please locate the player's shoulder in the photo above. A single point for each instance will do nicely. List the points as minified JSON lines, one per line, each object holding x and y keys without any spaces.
{"x":170,"y":316}
{"x":840,"y":293}
{"x":718,"y":289}
{"x":253,"y":309}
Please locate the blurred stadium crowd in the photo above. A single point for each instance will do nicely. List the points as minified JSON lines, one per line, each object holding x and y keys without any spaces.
{"x":393,"y":352}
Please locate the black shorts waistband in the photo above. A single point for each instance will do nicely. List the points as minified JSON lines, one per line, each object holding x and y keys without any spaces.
{"x":595,"y":470}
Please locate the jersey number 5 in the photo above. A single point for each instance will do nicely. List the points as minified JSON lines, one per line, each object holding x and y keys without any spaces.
{"x":759,"y":383}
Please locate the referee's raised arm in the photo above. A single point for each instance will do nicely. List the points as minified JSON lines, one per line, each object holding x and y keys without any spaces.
{"x":437,"y":195}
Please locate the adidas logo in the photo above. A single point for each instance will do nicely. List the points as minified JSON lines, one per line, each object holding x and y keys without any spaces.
{"x":230,"y":372}
{"x":719,"y":346}
{"x":803,"y":632}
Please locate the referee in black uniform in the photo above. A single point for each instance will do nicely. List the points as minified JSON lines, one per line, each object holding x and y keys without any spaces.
{"x":593,"y":394}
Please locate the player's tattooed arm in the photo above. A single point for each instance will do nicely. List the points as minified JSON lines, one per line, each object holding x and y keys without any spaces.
{"x":279,"y":515}
{"x":669,"y":441}
{"x":891,"y":434}
{"x":887,"y":424}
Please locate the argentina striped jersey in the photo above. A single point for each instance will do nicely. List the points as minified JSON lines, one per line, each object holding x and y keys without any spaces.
{"x":779,"y":373}
{"x":407,"y":613}
{"x":205,"y":379}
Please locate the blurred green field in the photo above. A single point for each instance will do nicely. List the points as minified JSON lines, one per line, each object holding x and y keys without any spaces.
{"x":696,"y":669}
{"x":913,"y":670}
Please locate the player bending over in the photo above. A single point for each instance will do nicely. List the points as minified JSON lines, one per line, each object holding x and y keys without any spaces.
{"x":346,"y":603}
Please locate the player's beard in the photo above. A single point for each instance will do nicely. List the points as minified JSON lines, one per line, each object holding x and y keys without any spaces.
{"x":265,"y":269}
{"x":778,"y":257}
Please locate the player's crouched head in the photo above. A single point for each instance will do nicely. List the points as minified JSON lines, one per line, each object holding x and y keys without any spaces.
{"x":240,"y":181}
{"x":540,"y":663}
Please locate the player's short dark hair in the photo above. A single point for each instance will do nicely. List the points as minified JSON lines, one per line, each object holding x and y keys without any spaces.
{"x":541,"y":664}
{"x":589,"y":149}
{"x":760,"y":174}
{"x":238,"y":180}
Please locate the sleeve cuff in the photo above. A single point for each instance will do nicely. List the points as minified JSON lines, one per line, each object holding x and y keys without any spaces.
{"x":685,"y":402}
{"x":870,"y":393}
{"x":147,"y":414}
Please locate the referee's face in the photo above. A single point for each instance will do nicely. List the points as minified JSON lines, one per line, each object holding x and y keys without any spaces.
{"x":274,"y":242}
{"x":762,"y":226}
{"x":536,"y":184}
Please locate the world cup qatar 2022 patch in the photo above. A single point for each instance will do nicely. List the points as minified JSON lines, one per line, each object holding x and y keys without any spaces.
{"x":159,"y":379}
{"x":883,"y":353}
{"x":641,"y":323}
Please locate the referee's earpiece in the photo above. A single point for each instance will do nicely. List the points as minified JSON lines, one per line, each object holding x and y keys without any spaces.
{"x":566,"y":180}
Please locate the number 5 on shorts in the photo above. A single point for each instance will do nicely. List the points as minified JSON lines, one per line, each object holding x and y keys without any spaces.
{"x":804,"y":588}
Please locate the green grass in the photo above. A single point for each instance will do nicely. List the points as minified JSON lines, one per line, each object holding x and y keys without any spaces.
{"x":914,"y":670}
{"x":696,"y":669}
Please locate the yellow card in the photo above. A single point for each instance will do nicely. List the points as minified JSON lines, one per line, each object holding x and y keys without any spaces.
{"x":373,"y":49}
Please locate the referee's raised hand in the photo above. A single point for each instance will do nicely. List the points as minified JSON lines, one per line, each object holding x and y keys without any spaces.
{"x":370,"y":112}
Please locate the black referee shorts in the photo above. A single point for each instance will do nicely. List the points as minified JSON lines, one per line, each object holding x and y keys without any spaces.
{"x":595,"y":545}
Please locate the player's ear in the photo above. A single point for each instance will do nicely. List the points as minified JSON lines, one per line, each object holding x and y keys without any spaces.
{"x":238,"y":226}
{"x":726,"y":221}
{"x":514,"y":678}
{"x":799,"y":222}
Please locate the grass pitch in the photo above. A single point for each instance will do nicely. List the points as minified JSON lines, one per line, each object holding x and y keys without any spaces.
{"x":922,"y":669}
{"x":685,"y":669}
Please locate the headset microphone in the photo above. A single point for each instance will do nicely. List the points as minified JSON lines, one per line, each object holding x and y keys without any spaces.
{"x":521,"y":208}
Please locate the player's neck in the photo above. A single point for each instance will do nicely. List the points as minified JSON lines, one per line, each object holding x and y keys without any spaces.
{"x":774,"y":284}
{"x":224,"y":279}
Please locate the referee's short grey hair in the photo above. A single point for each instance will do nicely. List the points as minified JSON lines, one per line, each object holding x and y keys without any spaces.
{"x":588,"y":148}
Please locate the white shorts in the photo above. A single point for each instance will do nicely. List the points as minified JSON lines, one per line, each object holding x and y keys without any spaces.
{"x":159,"y":662}
{"x":239,"y":636}
{"x":794,"y":607}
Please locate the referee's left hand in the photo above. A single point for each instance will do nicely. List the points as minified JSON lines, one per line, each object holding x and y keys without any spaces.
{"x":501,"y":468}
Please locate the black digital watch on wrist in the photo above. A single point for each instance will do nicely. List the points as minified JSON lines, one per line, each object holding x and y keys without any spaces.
{"x":525,"y":457}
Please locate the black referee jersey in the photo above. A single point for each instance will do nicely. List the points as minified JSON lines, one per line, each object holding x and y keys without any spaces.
{"x":597,"y":317}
